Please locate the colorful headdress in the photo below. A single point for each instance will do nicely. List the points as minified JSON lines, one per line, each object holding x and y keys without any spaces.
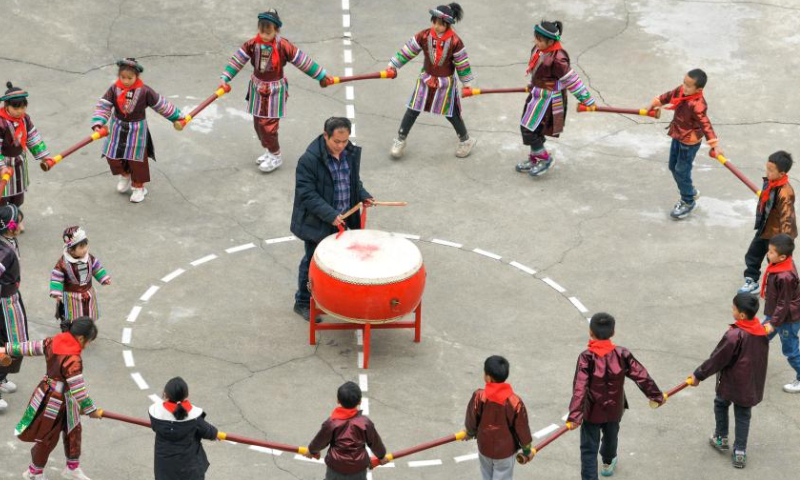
{"x":543,"y":30}
{"x":13,"y":92}
{"x":132,"y":63}
{"x":9,"y":217}
{"x":73,"y":236}
{"x":444,"y":12}
{"x":271,"y":15}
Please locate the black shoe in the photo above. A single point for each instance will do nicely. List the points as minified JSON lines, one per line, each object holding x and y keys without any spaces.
{"x":305,"y":312}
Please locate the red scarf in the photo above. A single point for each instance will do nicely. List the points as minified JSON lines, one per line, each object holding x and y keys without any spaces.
{"x":439,"y":42}
{"x":784,"y":266}
{"x":121,"y":98}
{"x":21,"y":132}
{"x":498,"y":392}
{"x":341,"y":413}
{"x":66,"y":344}
{"x":673,"y":104}
{"x":753,"y":327}
{"x":538,"y":53}
{"x":601,"y":348}
{"x":172,"y":406}
{"x":275,"y":57}
{"x":770,"y":185}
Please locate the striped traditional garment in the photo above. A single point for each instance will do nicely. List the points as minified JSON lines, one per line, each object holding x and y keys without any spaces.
{"x":20,"y":180}
{"x":75,"y":304}
{"x":14,"y":317}
{"x":542,"y":98}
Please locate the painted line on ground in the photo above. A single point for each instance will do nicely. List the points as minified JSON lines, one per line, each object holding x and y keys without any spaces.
{"x":155,"y":398}
{"x":546,"y":430}
{"x":558,"y":288}
{"x":127,"y":355}
{"x":407,"y":235}
{"x":137,"y":377}
{"x":240,"y":248}
{"x":447,"y":243}
{"x":522,"y":267}
{"x":172,"y":276}
{"x":203,"y":260}
{"x":134,"y":313}
{"x":311,"y":460}
{"x":578,"y":304}
{"x":487,"y":254}
{"x":464,"y":458}
{"x":424,"y":463}
{"x":272,"y":241}
{"x":363,"y":382}
{"x":126,"y":335}
{"x":146,"y":296}
{"x":270,"y":451}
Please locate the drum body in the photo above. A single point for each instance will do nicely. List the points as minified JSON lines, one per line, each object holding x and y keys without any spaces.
{"x":367,"y":276}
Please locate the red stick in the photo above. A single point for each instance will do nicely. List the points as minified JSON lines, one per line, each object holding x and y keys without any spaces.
{"x":628,"y":111}
{"x":752,"y":186}
{"x":388,"y":73}
{"x":419,"y":448}
{"x":49,"y":163}
{"x":225,"y":88}
{"x":5,"y":177}
{"x":546,"y":442}
{"x":672,"y":391}
{"x":471,"y":92}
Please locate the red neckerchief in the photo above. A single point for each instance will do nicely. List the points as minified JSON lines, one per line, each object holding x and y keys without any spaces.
{"x":439,"y":41}
{"x":275,"y":56}
{"x":753,"y":327}
{"x":770,"y":185}
{"x":341,"y":413}
{"x":601,"y":348}
{"x":536,"y":54}
{"x":673,"y":104}
{"x":121,"y":98}
{"x":784,"y":266}
{"x":21,"y":132}
{"x":498,"y":392}
{"x":66,"y":344}
{"x":172,"y":406}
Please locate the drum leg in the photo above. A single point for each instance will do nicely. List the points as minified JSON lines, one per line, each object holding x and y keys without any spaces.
{"x":367,"y":335}
{"x":418,"y":323}
{"x":312,"y":322}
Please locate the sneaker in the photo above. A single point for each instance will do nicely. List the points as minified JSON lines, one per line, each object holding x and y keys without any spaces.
{"x":263,"y":157}
{"x":3,"y":405}
{"x":271,"y":163}
{"x":793,"y":387}
{"x":696,"y":195}
{"x":526,"y":166}
{"x":750,"y":286}
{"x":719,"y":442}
{"x":138,"y":195}
{"x":682,"y":210}
{"x":7,"y":386}
{"x":124,"y":184}
{"x":540,"y":167}
{"x":76,"y":474}
{"x":739,"y":459}
{"x":464,"y":148}
{"x":30,"y":476}
{"x":397,"y":148}
{"x":305,"y":312}
{"x":608,"y":468}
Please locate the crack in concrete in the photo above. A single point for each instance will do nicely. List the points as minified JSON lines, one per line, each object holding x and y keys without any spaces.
{"x":760,"y":4}
{"x":111,"y":28}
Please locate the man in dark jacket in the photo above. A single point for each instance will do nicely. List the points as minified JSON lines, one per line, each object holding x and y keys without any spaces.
{"x":327,"y":184}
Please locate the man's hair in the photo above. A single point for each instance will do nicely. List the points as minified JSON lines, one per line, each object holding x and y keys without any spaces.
{"x":335,"y":123}
{"x":496,"y":367}
{"x":783,"y":244}
{"x":700,"y":78}
{"x":782,"y":160}
{"x":602,"y":325}
{"x":349,"y":395}
{"x":746,"y":303}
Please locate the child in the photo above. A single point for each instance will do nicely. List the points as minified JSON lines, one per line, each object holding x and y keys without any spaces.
{"x":180,"y":427}
{"x":57,"y":403}
{"x":17,"y":133}
{"x":348,"y":433}
{"x":268,"y":89}
{"x":71,"y":279}
{"x":545,"y":109}
{"x":498,"y":418}
{"x":13,"y":321}
{"x":129,"y":145}
{"x":774,"y":215}
{"x":688,"y":126}
{"x":782,"y":303}
{"x":436,"y":90}
{"x":598,"y":398}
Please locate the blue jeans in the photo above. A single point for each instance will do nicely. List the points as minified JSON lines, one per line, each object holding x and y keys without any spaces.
{"x":303,"y":297}
{"x":790,"y":343}
{"x":681,"y":157}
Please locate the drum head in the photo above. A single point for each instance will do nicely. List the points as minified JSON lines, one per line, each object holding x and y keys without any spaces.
{"x":368,"y":257}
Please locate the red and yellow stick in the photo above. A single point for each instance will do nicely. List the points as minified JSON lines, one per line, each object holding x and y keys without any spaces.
{"x":49,"y":163}
{"x":388,"y":73}
{"x":547,"y":441}
{"x":220,"y":435}
{"x":225,"y":88}
{"x":752,"y":186}
{"x":5,"y":360}
{"x":346,"y":214}
{"x":628,"y":111}
{"x":672,"y":392}
{"x":5,"y":177}
{"x":419,"y":448}
{"x":471,"y":92}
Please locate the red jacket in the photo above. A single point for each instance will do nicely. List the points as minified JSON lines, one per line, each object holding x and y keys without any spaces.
{"x":501,"y":429}
{"x":782,"y":297}
{"x":348,"y":439}
{"x":598,"y":394}
{"x":690,"y":122}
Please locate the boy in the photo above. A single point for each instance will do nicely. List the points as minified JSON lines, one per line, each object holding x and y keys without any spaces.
{"x":688,"y":127}
{"x":740,"y":360}
{"x":497,"y":416}
{"x":598,"y":398}
{"x":782,"y":302}
{"x":348,"y":433}
{"x":774,"y":215}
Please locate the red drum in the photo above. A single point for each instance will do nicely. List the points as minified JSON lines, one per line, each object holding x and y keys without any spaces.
{"x":367,"y":276}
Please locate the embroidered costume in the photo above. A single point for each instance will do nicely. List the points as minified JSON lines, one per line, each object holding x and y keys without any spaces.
{"x":13,"y":321}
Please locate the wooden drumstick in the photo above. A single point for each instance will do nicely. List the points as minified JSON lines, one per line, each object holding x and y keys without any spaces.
{"x":390,"y":204}
{"x":352,"y":210}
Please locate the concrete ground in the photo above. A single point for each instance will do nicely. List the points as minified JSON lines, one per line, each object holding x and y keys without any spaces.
{"x":595,"y":226}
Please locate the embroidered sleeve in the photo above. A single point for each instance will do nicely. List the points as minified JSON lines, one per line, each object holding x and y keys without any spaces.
{"x":73,"y":371}
{"x":572,"y":82}
{"x":36,"y":145}
{"x":102,"y":111}
{"x":463,"y":68}
{"x":163,"y":107}
{"x":99,"y":272}
{"x":29,"y":349}
{"x":407,"y":53}
{"x":306,"y":64}
{"x":235,"y":64}
{"x":57,"y":282}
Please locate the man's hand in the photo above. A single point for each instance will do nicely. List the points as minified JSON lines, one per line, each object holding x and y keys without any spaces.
{"x":368,"y":202}
{"x":339,"y":221}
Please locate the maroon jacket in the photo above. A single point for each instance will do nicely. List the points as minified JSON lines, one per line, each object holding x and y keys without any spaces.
{"x":598,"y":394}
{"x":782,"y":297}
{"x":741,"y":360}
{"x":347,"y":439}
{"x":501,"y":429}
{"x":690,"y":123}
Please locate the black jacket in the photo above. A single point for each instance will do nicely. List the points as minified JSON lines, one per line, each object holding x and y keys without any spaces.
{"x":313,"y":213}
{"x":179,"y":454}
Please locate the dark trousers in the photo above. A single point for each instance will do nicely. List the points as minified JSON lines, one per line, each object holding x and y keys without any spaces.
{"x":742,"y":417}
{"x":303,"y":296}
{"x":456,"y":121}
{"x":755,"y":257}
{"x":331,"y":474}
{"x":534,"y":139}
{"x":681,"y":158}
{"x":591,"y":444}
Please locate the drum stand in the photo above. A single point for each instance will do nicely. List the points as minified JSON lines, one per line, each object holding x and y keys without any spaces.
{"x":366,"y":328}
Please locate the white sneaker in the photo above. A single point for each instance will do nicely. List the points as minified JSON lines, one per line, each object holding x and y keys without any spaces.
{"x":3,"y":405}
{"x":271,"y":163}
{"x":124,"y":184}
{"x":29,"y":476}
{"x":7,"y":386}
{"x":138,"y":195}
{"x":76,"y":474}
{"x":263,"y":157}
{"x":464,"y":148}
{"x":793,"y":387}
{"x":397,"y":148}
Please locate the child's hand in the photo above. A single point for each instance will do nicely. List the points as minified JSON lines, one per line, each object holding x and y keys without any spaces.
{"x":572,"y":425}
{"x":310,"y":455}
{"x":328,"y":80}
{"x":107,"y":282}
{"x":223,"y":84}
{"x":769,"y":328}
{"x":384,"y":460}
{"x":96,"y":128}
{"x":95,"y":414}
{"x":178,"y":125}
{"x":693,"y":381}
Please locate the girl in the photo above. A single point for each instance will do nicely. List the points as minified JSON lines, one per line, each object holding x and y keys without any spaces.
{"x":71,"y":279}
{"x":16,"y":134}
{"x":129,"y":144}
{"x":57,"y":403}
{"x":545,"y":108}
{"x":13,"y":322}
{"x":435,"y":91}
{"x":268,"y":89}
{"x":179,"y":427}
